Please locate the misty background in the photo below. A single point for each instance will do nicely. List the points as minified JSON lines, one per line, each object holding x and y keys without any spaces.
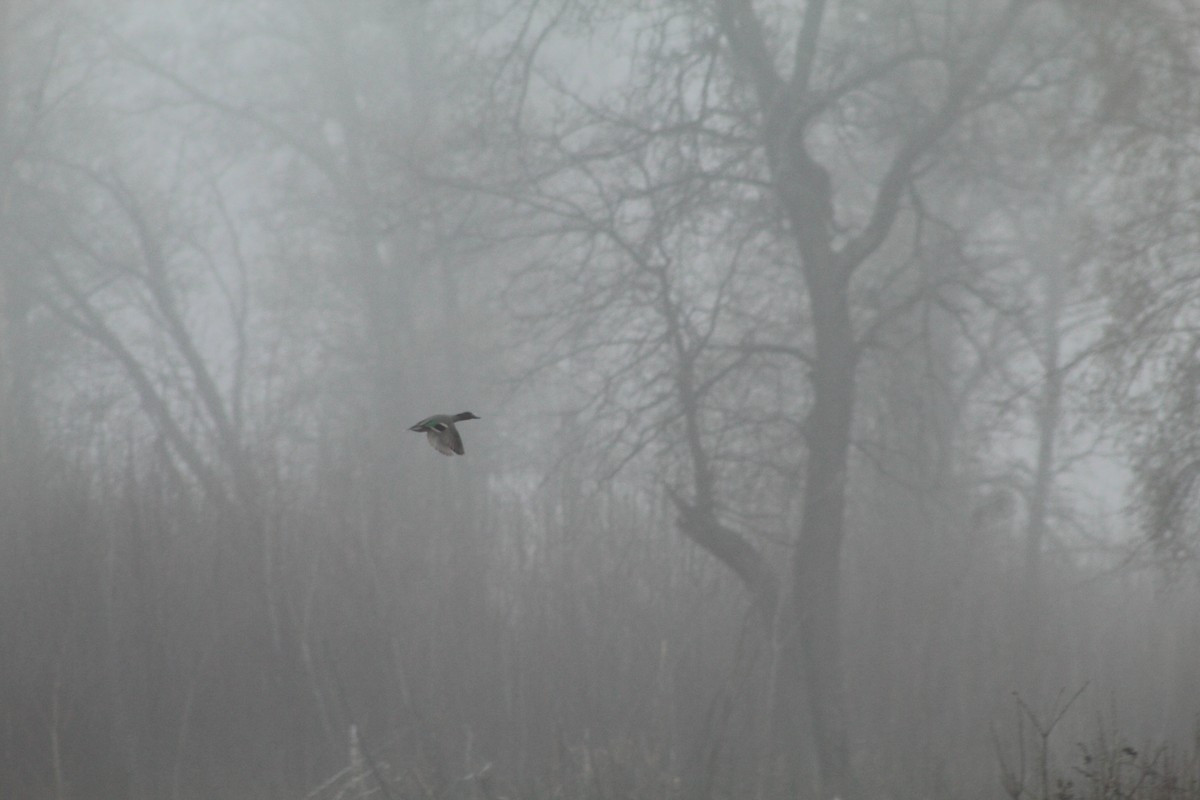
{"x":837,"y":364}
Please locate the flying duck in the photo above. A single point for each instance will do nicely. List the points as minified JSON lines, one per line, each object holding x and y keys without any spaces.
{"x":441,"y":431}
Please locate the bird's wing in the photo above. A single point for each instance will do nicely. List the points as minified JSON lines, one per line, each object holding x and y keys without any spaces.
{"x":446,"y":442}
{"x":453,"y":439}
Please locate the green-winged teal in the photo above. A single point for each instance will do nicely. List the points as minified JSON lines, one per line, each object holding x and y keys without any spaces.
{"x":441,"y":431}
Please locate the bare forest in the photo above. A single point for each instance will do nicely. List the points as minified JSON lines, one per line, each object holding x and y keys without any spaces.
{"x":833,"y":370}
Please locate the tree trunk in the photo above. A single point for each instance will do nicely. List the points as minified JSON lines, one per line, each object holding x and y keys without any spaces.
{"x":1049,"y":411}
{"x":1030,"y":625}
{"x":804,"y":190}
{"x":815,"y":637}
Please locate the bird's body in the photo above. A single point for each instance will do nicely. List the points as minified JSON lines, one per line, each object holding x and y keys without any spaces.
{"x":442,"y":434}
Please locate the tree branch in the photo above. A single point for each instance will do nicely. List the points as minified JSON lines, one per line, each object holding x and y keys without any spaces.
{"x":156,"y":281}
{"x":806,"y":51}
{"x":743,"y":30}
{"x":900,"y":171}
{"x":731,"y":549}
{"x":90,"y":324}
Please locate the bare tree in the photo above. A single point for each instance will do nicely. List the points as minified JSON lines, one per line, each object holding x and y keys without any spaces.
{"x":725,"y":182}
{"x":1144,"y":243}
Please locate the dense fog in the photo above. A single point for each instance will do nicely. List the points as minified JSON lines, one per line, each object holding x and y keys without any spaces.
{"x":835,"y":366}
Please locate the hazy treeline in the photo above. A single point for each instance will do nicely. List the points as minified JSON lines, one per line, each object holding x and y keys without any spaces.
{"x":836,"y":361}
